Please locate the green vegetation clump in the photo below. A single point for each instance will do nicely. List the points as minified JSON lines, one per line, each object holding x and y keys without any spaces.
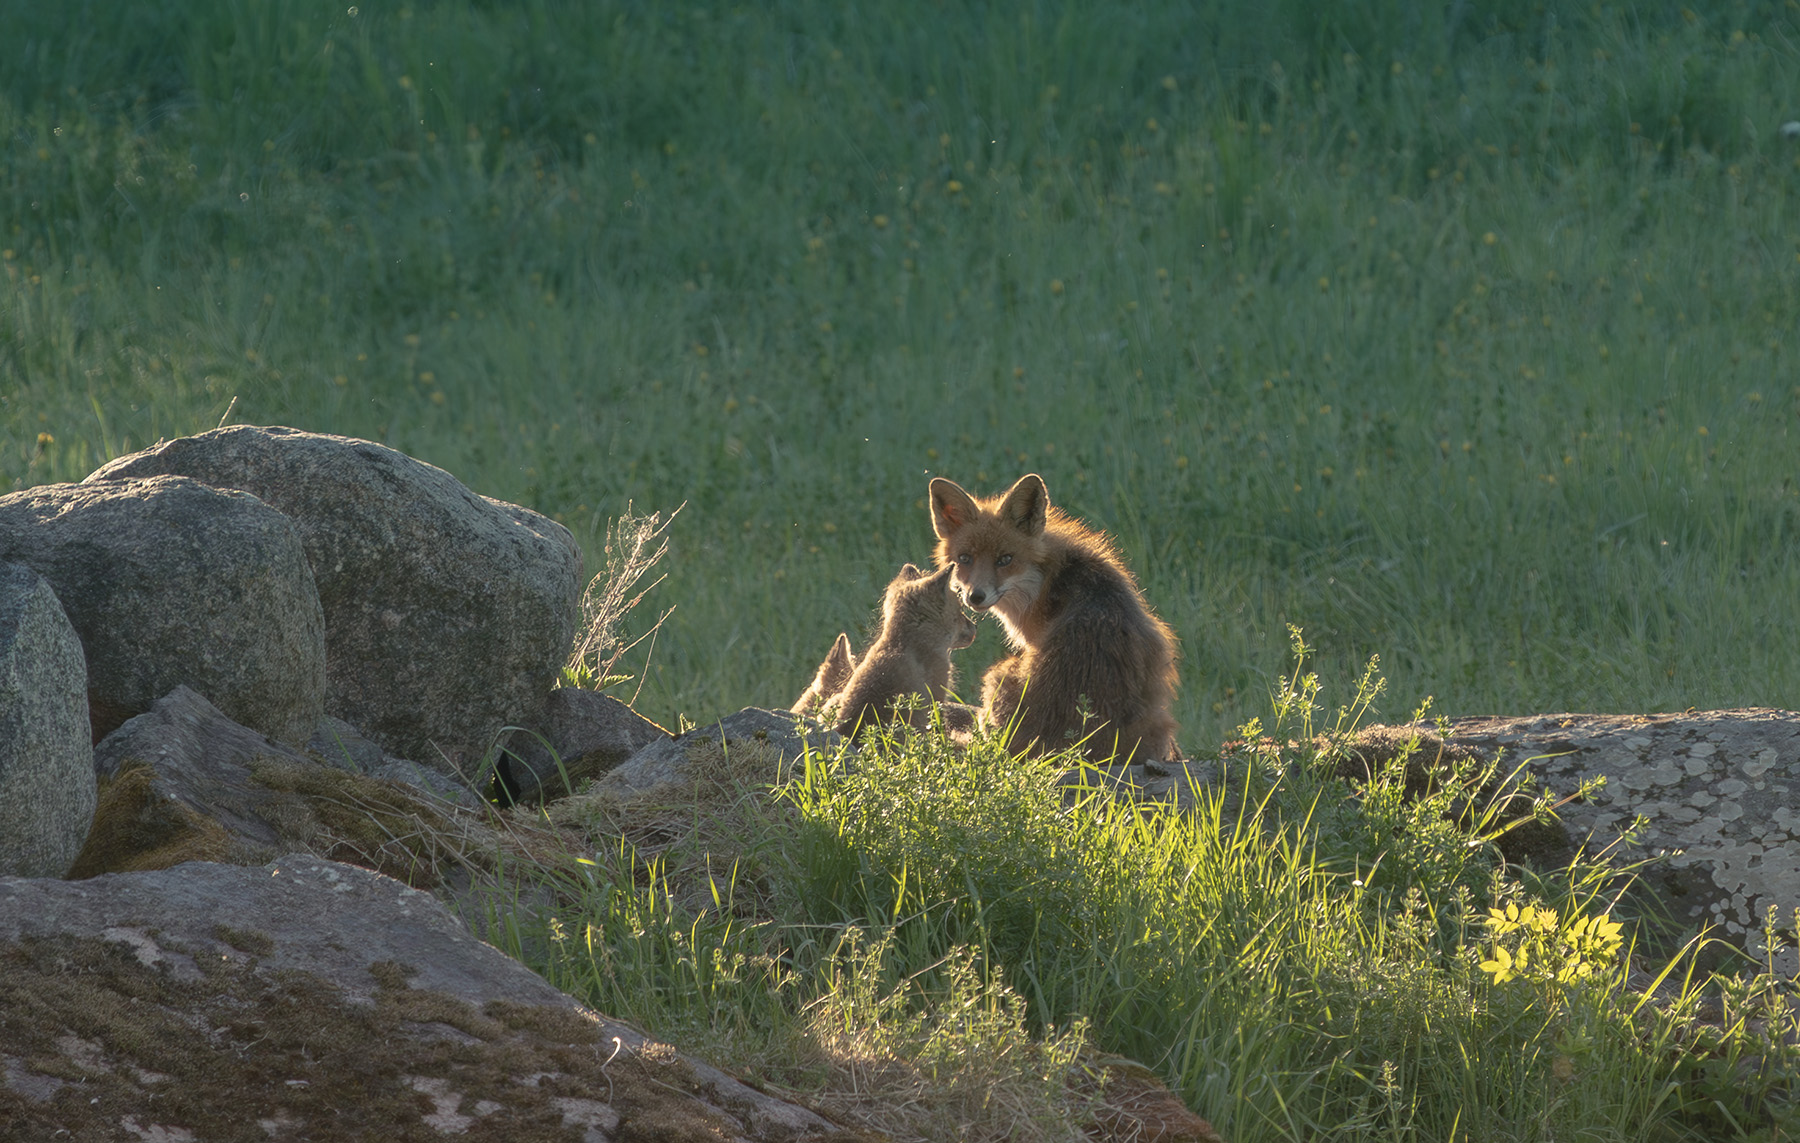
{"x":1459,"y":334}
{"x":1297,"y":956}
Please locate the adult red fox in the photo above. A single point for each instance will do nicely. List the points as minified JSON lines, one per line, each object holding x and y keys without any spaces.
{"x":921,"y":623}
{"x":1089,"y":660}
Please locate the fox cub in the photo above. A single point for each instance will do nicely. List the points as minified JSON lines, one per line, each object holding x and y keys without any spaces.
{"x":829,"y":680}
{"x":921,"y":623}
{"x":1089,"y":659}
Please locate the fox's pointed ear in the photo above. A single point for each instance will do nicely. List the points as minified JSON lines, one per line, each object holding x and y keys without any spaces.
{"x":841,"y":656}
{"x":1027,"y":504}
{"x":951,"y":507}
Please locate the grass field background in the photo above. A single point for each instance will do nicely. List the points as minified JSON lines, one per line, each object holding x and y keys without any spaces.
{"x":1459,"y":334}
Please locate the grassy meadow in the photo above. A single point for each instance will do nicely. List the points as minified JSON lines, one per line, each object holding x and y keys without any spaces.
{"x":1457,"y":334}
{"x":1461,"y":335}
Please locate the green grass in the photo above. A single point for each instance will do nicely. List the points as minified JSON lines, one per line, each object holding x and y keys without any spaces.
{"x":1461,"y":335}
{"x":1465,"y":344}
{"x":1297,"y":962}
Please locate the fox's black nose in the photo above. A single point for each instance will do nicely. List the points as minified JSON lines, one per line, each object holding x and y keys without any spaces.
{"x":978,"y":598}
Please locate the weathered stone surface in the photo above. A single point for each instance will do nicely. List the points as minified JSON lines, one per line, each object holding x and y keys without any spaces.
{"x":590,"y":734}
{"x":176,"y":785}
{"x":774,"y":738}
{"x":46,"y":753}
{"x":1720,"y":791}
{"x":341,"y":745}
{"x":447,"y":614}
{"x":168,"y":582}
{"x":318,"y":1000}
{"x":182,"y":782}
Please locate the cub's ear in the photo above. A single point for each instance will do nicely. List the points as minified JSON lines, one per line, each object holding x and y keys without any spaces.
{"x":942,"y":576}
{"x":909,"y":571}
{"x":951,"y":507}
{"x":839,"y":665}
{"x":841,"y":655}
{"x":1026,"y":505}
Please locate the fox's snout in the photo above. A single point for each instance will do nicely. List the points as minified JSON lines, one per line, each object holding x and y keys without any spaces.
{"x":974,"y":591}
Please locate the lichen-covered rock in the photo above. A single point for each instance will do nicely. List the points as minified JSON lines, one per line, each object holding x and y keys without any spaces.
{"x":587,"y":734}
{"x":1719,"y":790}
{"x":46,"y":752}
{"x":176,"y":785}
{"x":447,"y":614}
{"x":182,"y":782}
{"x":169,"y":581}
{"x":310,"y":1000}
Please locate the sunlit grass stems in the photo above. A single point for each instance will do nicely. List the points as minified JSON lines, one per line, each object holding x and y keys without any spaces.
{"x":1297,"y":958}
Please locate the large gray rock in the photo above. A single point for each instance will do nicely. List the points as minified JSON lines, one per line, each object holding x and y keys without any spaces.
{"x":583,"y":734}
{"x":46,"y":752}
{"x":1719,"y":790}
{"x":447,"y":615}
{"x":311,"y":1000}
{"x":169,"y":581}
{"x":182,"y":782}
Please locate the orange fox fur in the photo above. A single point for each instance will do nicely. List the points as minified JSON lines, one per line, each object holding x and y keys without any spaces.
{"x":921,"y":623}
{"x":828,"y":681}
{"x":1084,"y":641}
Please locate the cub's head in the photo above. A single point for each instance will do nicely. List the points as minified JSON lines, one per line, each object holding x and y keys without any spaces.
{"x":993,"y":546}
{"x":923,"y":608}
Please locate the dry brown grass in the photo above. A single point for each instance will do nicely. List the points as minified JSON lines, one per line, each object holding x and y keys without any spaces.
{"x":634,"y":545}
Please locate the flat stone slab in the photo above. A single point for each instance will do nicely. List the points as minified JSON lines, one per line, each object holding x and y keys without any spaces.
{"x":306,"y":999}
{"x":1719,"y":791}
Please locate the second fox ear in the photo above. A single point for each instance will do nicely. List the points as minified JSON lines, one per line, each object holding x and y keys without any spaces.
{"x":951,"y":507}
{"x":1027,"y":504}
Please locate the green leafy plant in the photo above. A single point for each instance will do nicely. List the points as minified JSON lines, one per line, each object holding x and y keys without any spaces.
{"x":1535,"y":945}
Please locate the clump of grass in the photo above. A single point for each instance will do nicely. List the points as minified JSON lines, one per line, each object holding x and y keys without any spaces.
{"x":634,"y":545}
{"x":906,"y":922}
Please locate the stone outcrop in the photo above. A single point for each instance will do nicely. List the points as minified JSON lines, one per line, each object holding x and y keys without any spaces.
{"x":763,"y":741}
{"x":182,"y":782}
{"x":582,"y":735}
{"x":171,"y":582}
{"x":46,"y":752}
{"x":343,"y":747}
{"x":1719,"y":792}
{"x":447,"y":615}
{"x":309,"y":1000}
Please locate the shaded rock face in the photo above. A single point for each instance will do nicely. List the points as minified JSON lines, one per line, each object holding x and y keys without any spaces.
{"x":46,"y":752}
{"x":447,"y":615}
{"x":169,"y":581}
{"x":1720,"y":791}
{"x":182,"y":782}
{"x":310,"y":1000}
{"x":590,"y":733}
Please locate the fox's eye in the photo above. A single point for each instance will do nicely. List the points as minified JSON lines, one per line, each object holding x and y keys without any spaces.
{"x":1002,"y":561}
{"x":963,"y":558}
